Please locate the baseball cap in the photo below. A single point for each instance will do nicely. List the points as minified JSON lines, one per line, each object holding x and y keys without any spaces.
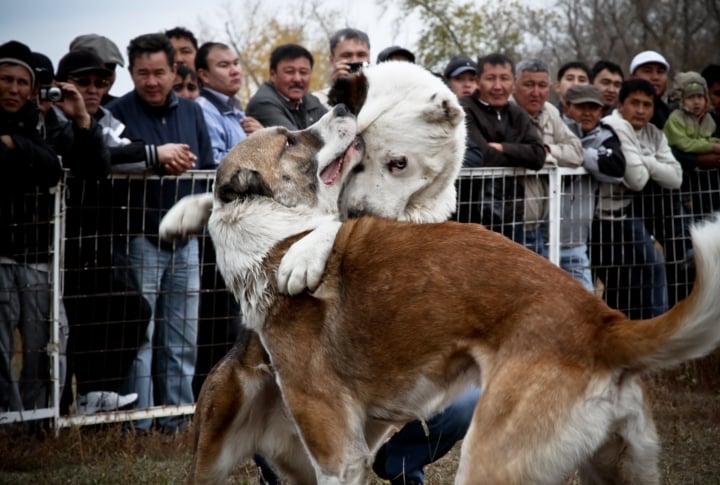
{"x":583,"y":93}
{"x":81,"y":61}
{"x":103,"y":47}
{"x":394,"y":50}
{"x":459,"y":65}
{"x":646,"y":57}
{"x":14,"y":52}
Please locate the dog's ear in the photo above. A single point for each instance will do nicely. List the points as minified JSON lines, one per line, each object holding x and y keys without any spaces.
{"x":350,"y":91}
{"x":243,"y":184}
{"x":444,"y":107}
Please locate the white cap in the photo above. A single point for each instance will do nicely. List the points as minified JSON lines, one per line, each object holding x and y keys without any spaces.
{"x":646,"y":57}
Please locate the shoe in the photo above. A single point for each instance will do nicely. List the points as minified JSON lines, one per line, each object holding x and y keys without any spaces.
{"x":95,"y":401}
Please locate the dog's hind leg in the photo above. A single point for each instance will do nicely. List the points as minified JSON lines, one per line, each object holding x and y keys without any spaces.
{"x":630,"y":453}
{"x":533,"y":424}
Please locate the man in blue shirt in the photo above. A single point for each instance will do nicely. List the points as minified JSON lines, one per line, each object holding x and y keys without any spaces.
{"x":219,"y":70}
{"x":168,"y":275}
{"x":221,"y":75}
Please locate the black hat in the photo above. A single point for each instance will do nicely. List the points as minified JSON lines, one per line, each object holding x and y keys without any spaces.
{"x":15,"y":52}
{"x":394,"y":50}
{"x":459,"y":65}
{"x":44,"y":69}
{"x":101,"y":45}
{"x":78,"y":62}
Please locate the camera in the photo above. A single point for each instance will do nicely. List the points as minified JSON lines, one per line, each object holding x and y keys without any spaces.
{"x":356,"y":66}
{"x":50,"y":93}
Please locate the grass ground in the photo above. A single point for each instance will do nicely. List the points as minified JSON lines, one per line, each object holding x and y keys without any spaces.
{"x":687,"y":414}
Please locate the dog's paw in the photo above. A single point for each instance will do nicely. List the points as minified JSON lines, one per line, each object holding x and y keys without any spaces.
{"x":189,"y":215}
{"x":304,"y":263}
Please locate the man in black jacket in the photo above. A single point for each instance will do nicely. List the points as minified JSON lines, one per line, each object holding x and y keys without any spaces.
{"x":30,"y":168}
{"x":500,"y":134}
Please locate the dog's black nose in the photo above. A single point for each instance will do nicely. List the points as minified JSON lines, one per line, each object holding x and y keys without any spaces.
{"x":341,"y":110}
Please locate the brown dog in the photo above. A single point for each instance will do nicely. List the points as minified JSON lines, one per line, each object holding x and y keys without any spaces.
{"x":407,"y":316}
{"x":404,"y":318}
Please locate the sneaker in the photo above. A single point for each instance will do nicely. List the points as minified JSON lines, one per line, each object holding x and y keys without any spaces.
{"x":95,"y":401}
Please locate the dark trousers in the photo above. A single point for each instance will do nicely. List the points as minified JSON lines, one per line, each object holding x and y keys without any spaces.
{"x":624,"y":256}
{"x":24,"y":306}
{"x":220,"y":321}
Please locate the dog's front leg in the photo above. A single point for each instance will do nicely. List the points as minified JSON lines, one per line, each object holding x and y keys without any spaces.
{"x":189,"y":215}
{"x":304,"y":263}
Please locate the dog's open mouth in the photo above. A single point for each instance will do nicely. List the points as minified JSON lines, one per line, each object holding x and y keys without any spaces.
{"x":332,"y":171}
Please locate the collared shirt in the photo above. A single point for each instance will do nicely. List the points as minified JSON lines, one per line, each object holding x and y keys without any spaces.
{"x":222,"y":116}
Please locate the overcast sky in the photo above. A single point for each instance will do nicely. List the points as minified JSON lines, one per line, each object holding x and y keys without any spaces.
{"x":48,"y":26}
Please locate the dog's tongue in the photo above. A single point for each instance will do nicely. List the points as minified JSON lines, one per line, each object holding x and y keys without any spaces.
{"x":330,"y":173}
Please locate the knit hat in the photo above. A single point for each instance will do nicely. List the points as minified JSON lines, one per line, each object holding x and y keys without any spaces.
{"x":14,"y":52}
{"x":103,"y":47}
{"x":583,"y":93}
{"x":459,"y":65}
{"x":648,"y":57}
{"x":689,"y":83}
{"x":81,"y":61}
{"x":393,"y":50}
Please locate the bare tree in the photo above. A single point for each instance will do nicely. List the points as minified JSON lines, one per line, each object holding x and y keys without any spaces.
{"x":451,"y":27}
{"x":254,"y":31}
{"x":686,"y":32}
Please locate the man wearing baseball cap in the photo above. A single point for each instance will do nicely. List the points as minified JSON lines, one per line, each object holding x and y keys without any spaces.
{"x":605,"y":162}
{"x":460,"y":75}
{"x":662,"y":209}
{"x":654,"y":68}
{"x":68,"y":124}
{"x":30,"y":168}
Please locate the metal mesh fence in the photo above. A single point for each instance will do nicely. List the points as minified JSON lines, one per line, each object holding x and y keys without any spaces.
{"x":109,"y":315}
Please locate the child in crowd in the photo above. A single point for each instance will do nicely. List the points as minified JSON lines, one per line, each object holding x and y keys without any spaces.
{"x":690,"y":127}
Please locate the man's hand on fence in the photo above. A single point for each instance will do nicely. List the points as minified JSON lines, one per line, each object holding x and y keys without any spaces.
{"x":176,"y":158}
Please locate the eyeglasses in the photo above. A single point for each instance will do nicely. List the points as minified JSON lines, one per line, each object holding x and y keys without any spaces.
{"x":84,"y":82}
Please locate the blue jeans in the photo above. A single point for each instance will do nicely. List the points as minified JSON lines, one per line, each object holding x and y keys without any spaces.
{"x":165,"y":363}
{"x":575,"y":260}
{"x":533,"y":239}
{"x":402,"y":458}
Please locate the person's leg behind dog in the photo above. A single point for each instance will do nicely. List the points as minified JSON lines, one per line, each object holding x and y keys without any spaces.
{"x":402,"y":459}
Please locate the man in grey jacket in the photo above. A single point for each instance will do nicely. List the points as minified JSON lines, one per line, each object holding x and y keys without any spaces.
{"x":284,"y":100}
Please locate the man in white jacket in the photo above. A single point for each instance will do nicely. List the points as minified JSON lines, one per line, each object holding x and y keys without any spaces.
{"x":627,"y":258}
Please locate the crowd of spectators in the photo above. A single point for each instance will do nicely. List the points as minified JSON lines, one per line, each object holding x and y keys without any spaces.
{"x":140,"y":314}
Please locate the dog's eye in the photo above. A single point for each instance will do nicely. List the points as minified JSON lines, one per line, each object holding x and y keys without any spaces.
{"x":290,"y":141}
{"x":397,"y":164}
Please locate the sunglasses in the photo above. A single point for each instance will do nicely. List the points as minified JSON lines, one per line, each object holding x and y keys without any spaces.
{"x":84,"y":82}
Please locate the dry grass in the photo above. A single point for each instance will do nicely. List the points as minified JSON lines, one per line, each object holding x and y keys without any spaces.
{"x":686,"y":404}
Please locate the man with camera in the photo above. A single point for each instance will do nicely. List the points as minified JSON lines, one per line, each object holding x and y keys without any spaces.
{"x":67,"y":122}
{"x":284,"y":100}
{"x":349,"y":53}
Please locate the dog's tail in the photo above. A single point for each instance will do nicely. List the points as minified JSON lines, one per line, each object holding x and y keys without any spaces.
{"x":689,"y":330}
